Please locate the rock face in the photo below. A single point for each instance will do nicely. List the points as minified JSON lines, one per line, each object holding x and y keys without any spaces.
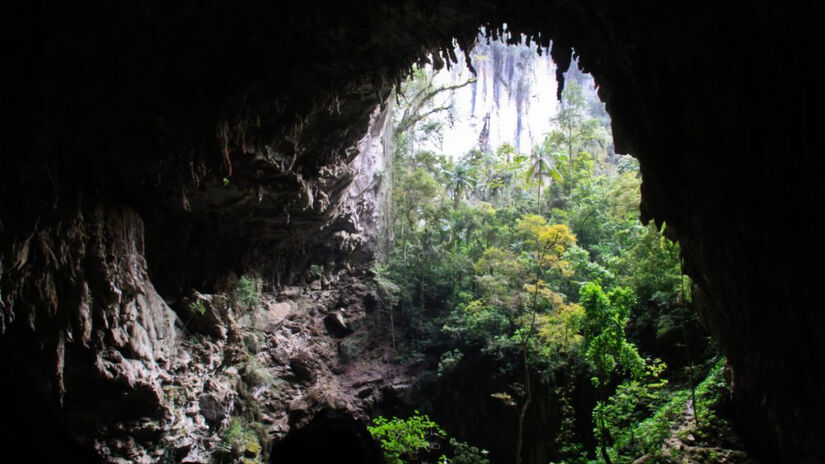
{"x":231,"y":134}
{"x":270,"y":380}
{"x":102,"y":336}
{"x":197,"y":397}
{"x":124,"y":375}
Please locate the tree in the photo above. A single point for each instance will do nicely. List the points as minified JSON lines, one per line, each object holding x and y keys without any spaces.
{"x":459,"y":180}
{"x":413,"y":196}
{"x":546,"y":245}
{"x":577,"y":135}
{"x":419,"y":95}
{"x":541,"y":169}
{"x":403,"y":439}
{"x":606,"y":344}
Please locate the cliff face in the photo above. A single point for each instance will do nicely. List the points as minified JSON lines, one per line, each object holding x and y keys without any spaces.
{"x":228,"y":134}
{"x":84,"y":328}
{"x":127,"y":377}
{"x":132,"y":380}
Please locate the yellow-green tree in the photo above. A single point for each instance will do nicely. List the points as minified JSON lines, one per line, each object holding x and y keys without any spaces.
{"x":545,"y":245}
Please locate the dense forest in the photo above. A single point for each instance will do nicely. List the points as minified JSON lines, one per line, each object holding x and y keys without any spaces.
{"x":550,"y":324}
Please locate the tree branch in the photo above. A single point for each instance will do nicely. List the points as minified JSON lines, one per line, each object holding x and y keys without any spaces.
{"x":404,"y":125}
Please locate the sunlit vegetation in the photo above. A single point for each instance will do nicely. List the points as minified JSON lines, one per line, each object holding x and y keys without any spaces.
{"x":417,"y":438}
{"x":536,"y":261}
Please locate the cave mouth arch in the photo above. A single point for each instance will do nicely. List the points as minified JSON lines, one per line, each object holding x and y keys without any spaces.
{"x":676,"y":111}
{"x":692,"y":89}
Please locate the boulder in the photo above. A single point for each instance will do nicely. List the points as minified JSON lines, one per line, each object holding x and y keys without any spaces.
{"x":212,"y":408}
{"x":302,"y":367}
{"x":336,"y":326}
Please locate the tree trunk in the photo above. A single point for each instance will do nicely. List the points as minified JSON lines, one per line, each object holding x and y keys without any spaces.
{"x":603,"y":447}
{"x":404,"y":241}
{"x":602,"y":425}
{"x":524,"y":344}
{"x":527,"y":400}
{"x":392,"y":329}
{"x":569,"y":161}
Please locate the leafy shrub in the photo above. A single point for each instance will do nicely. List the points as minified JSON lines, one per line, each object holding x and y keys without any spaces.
{"x":449,"y":361}
{"x":388,"y":291}
{"x":252,"y":343}
{"x":239,"y":438}
{"x":197,"y":307}
{"x":246,"y":294}
{"x":403,"y":439}
{"x":635,"y":433}
{"x":466,"y":454}
{"x":254,"y":374}
{"x":316,"y":271}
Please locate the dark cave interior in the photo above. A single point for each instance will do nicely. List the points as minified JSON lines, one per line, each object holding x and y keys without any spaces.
{"x":328,"y":437}
{"x":164,"y":121}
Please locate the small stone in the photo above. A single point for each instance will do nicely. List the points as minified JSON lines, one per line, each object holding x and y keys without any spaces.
{"x":211,"y":408}
{"x":301,"y":368}
{"x":298,"y":405}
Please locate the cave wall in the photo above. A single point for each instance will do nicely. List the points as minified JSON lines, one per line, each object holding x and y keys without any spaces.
{"x":227,"y":129}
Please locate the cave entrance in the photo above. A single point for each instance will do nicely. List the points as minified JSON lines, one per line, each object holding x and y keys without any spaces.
{"x":514,"y":249}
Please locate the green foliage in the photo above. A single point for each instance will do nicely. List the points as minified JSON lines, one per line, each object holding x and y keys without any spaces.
{"x":406,"y":440}
{"x":449,"y":361}
{"x":403,"y":439}
{"x":316,"y":271}
{"x":643,"y":413}
{"x":350,"y":349}
{"x":254,"y":374}
{"x":466,"y":454}
{"x":603,"y":329}
{"x":607,"y":347}
{"x":633,"y":401}
{"x":240,"y":438}
{"x":533,"y":263}
{"x":708,"y":393}
{"x":388,"y":291}
{"x":246,"y":293}
{"x":197,"y":307}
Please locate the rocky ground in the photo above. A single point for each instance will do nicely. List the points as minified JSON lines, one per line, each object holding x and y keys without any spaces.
{"x":240,"y":379}
{"x":693,"y":442}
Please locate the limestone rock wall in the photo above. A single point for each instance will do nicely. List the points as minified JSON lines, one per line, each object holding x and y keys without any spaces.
{"x":83,"y":326}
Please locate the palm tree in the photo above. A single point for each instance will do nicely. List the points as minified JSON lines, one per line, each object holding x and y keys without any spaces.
{"x":541,"y":169}
{"x":459,"y":180}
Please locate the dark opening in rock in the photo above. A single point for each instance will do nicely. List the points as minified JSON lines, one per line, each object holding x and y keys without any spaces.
{"x":330,"y":437}
{"x":336,"y":325}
